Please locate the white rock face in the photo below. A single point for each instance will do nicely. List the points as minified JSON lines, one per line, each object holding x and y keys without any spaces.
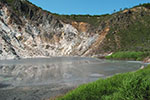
{"x":47,"y":39}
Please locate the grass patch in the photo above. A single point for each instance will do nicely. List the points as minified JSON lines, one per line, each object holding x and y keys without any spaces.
{"x":128,"y":86}
{"x":128,"y":55}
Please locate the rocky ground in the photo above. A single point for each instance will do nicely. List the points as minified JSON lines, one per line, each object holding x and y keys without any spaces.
{"x":146,"y":60}
{"x":39,"y":36}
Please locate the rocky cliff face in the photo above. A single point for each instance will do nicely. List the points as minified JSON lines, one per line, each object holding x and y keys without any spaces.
{"x":32,"y":32}
{"x":27,"y":31}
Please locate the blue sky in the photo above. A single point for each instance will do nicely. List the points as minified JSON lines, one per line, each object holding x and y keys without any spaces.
{"x":92,"y":7}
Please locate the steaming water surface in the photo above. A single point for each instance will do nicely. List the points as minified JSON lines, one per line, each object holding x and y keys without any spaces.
{"x":50,"y":75}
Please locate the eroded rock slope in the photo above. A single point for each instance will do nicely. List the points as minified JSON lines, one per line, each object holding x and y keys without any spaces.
{"x":27,"y":31}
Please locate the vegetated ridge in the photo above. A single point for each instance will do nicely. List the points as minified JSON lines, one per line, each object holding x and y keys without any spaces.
{"x":27,"y":31}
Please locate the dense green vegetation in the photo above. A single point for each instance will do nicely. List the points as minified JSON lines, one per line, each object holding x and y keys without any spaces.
{"x":9,"y":1}
{"x":130,"y":33}
{"x":147,"y":5}
{"x":128,"y":55}
{"x":137,"y":36}
{"x":128,"y":86}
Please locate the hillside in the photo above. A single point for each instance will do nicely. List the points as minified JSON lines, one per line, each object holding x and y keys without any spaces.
{"x":27,"y":31}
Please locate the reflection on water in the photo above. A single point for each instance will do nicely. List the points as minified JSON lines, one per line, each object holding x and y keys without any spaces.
{"x":60,"y":70}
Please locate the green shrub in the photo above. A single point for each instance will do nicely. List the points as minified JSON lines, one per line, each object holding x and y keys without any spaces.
{"x":128,"y":86}
{"x":128,"y":55}
{"x":146,"y":5}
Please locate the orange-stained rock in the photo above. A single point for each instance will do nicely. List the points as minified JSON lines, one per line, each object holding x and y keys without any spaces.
{"x":81,"y":26}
